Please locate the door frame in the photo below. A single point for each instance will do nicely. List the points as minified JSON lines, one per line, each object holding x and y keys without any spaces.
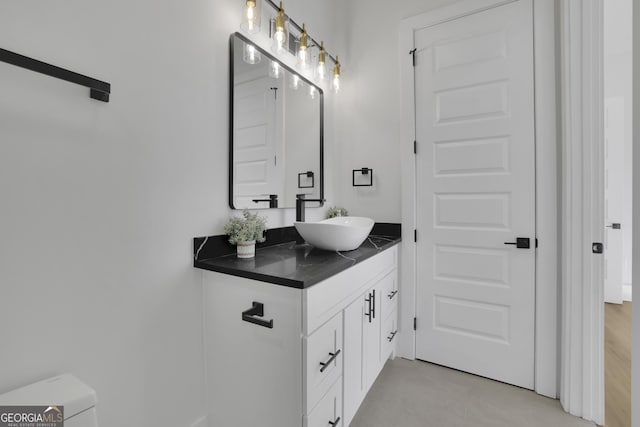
{"x":546,"y":319}
{"x":582,"y":213}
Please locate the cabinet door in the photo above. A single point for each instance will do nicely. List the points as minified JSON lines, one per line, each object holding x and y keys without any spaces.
{"x":323,"y":354}
{"x":329,"y":409}
{"x":254,"y":372}
{"x":389,"y":296}
{"x":388,"y":336}
{"x":354,"y":385}
{"x":372,"y":322}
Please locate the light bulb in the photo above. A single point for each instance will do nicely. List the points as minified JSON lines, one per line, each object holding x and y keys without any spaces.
{"x":280,"y":32}
{"x":321,"y":69}
{"x":336,"y":76}
{"x":251,"y":21}
{"x":275,"y":70}
{"x":303,"y":56}
{"x":303,"y":49}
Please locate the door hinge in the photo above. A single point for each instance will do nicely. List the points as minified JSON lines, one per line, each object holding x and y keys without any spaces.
{"x":415,"y":235}
{"x":415,"y":323}
{"x":412,"y":52}
{"x":415,"y":147}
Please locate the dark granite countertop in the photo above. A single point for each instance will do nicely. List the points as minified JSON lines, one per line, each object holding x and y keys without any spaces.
{"x":287,"y":263}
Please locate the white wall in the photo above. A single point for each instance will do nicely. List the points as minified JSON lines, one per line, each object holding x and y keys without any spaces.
{"x":618,"y":83}
{"x":368,"y":112}
{"x":99,"y":201}
{"x":635,"y":328}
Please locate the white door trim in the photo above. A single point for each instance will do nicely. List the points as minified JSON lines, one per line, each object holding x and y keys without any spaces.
{"x":582,"y":333}
{"x":546,"y":182}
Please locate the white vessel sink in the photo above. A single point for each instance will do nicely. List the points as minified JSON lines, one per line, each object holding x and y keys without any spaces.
{"x":344,"y":233}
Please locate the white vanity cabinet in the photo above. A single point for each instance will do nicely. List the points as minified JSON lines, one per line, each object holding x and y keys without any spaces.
{"x":286,"y":357}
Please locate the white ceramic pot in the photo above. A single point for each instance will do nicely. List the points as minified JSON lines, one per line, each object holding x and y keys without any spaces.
{"x":246,"y":249}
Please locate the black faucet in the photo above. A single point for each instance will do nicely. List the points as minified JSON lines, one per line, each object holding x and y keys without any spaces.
{"x":300,"y":201}
{"x":273,"y":200}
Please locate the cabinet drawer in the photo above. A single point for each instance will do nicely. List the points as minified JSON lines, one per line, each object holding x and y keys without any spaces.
{"x":329,"y":409}
{"x":322,"y":301}
{"x":389,"y":335}
{"x":323,"y":353}
{"x":388,"y":293}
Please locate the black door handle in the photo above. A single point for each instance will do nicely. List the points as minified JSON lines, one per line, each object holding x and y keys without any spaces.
{"x":520,"y":243}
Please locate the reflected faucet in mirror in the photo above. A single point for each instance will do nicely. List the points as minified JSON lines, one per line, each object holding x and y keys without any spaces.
{"x":300,"y":205}
{"x":273,"y":200}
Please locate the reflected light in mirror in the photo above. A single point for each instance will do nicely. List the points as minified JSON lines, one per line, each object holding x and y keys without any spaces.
{"x":294,"y":83}
{"x":275,"y":70}
{"x":250,"y":54}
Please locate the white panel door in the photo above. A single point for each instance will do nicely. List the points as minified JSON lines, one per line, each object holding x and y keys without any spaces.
{"x":613,"y":190}
{"x":257,"y":135}
{"x":475,"y":192}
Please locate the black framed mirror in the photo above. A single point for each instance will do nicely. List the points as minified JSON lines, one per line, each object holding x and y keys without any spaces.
{"x":276,"y":131}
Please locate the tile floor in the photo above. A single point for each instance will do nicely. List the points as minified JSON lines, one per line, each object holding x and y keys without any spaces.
{"x":419,"y":394}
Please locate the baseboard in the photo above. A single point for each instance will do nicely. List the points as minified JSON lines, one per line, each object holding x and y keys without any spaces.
{"x":200,"y":422}
{"x":626,"y":292}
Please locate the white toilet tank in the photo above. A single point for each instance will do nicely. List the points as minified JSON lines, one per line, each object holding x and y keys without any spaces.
{"x":78,"y":399}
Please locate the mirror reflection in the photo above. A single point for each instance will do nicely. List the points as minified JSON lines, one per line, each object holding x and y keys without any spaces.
{"x":276,"y":135}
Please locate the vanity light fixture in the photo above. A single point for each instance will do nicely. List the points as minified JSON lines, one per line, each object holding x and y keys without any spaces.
{"x":280,"y":36}
{"x":321,"y":68}
{"x":303,"y":49}
{"x":336,"y":76}
{"x":250,"y":54}
{"x":251,"y":20}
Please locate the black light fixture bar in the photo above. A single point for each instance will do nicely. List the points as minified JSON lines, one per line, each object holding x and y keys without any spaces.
{"x":299,"y":28}
{"x":99,"y":90}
